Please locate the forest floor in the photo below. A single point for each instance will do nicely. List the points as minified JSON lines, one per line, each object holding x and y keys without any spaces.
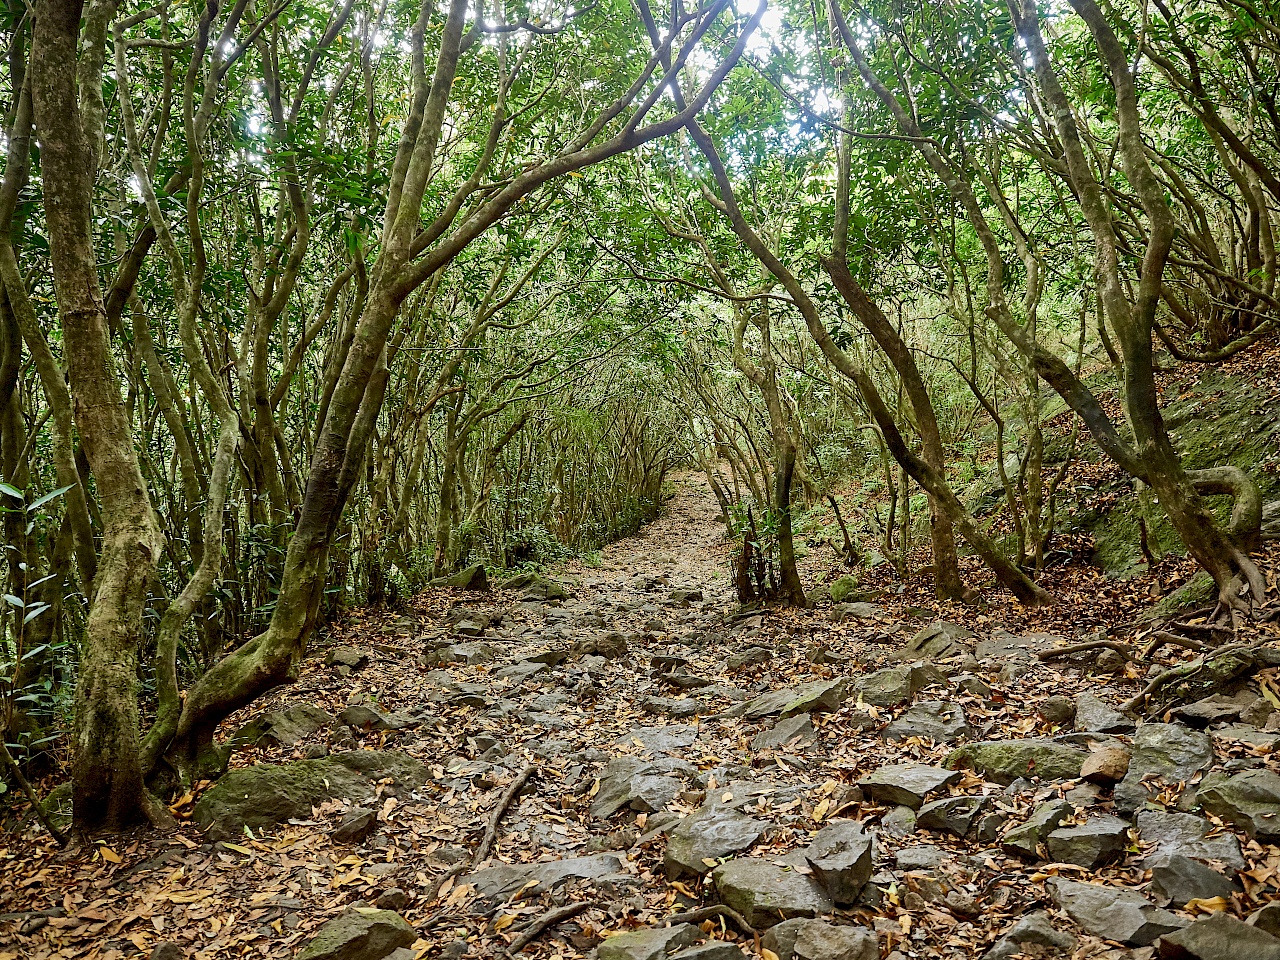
{"x":647,"y":689}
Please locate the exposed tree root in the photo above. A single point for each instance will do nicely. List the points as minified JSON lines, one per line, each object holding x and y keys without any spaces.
{"x":714,"y":910}
{"x":543,"y":923}
{"x":1126,"y":651}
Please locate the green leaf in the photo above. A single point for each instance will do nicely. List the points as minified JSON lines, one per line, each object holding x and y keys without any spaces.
{"x":52,"y":495}
{"x":12,"y":491}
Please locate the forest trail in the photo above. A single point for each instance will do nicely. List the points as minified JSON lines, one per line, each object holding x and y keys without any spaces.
{"x":487,"y":770}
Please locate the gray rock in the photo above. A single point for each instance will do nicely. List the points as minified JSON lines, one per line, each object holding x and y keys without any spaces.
{"x":1162,"y":751}
{"x":1003,"y":646}
{"x":500,"y":882}
{"x":899,"y":822}
{"x":349,"y":657}
{"x":1024,"y":840}
{"x":1267,"y":918}
{"x":907,"y":784}
{"x":765,"y":893}
{"x":749,"y":657}
{"x":473,"y":577}
{"x":1244,"y":733}
{"x":1107,"y":763}
{"x":652,"y":944}
{"x":356,"y":826}
{"x":941,"y":640}
{"x":797,"y":730}
{"x":361,"y":716}
{"x":711,"y":950}
{"x":670,"y":738}
{"x":264,"y":795}
{"x":392,"y":898}
{"x":1215,"y":709}
{"x":1095,"y":715}
{"x":817,"y":696}
{"x":167,"y":950}
{"x":1036,"y":930}
{"x":359,"y":934}
{"x":1003,"y":761}
{"x":1177,"y":879}
{"x":534,"y":586}
{"x":840,"y":857}
{"x":894,"y":686}
{"x":934,"y":720}
{"x":646,"y":786}
{"x":1113,"y":913}
{"x":714,"y":831}
{"x":819,"y":940}
{"x":1250,"y":800}
{"x":973,"y":685}
{"x":1097,"y":841}
{"x":950,"y":814}
{"x":1186,"y":835}
{"x":920,"y":857}
{"x":842,"y":612}
{"x":1059,"y":711}
{"x":677,"y":708}
{"x":283,"y":728}
{"x":518,"y":673}
{"x":1219,"y":936}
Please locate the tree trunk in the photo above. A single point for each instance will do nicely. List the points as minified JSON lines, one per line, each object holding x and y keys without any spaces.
{"x":108,"y":792}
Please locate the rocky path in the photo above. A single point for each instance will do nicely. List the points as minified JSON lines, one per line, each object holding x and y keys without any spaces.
{"x":617,"y":763}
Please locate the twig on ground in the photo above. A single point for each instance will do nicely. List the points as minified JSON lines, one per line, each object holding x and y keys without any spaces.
{"x":504,"y":802}
{"x":714,"y":910}
{"x":544,"y":923}
{"x":1126,"y":651}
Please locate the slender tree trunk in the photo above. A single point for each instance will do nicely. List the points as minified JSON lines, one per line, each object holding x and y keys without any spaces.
{"x":108,"y":792}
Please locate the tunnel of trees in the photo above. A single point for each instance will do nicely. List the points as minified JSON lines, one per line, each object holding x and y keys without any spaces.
{"x":306,"y":305}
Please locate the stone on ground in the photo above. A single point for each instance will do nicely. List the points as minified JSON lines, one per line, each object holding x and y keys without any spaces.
{"x":711,"y":950}
{"x":1024,"y":839}
{"x":935,"y":720}
{"x":473,"y":577}
{"x":283,"y":728}
{"x":818,"y":940}
{"x":1187,"y":835}
{"x":1097,"y":841}
{"x":1250,"y":800}
{"x":671,"y":738}
{"x":894,"y":686}
{"x":359,"y":934}
{"x":950,"y":814}
{"x":907,"y":784}
{"x":797,"y":730}
{"x":702,"y":838}
{"x":840,"y":857}
{"x":1095,"y":715}
{"x":941,"y":640}
{"x":645,"y":786}
{"x":1004,"y":761}
{"x":1113,"y":913}
{"x":1034,"y":930}
{"x":1106,"y":764}
{"x":765,"y":893}
{"x":652,"y":944}
{"x":817,"y":696}
{"x":501,"y":881}
{"x":1162,"y":751}
{"x":266,"y":794}
{"x":1219,"y":936}
{"x":1177,"y":880}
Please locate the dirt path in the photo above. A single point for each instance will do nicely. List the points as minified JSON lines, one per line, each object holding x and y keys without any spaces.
{"x":632,"y":705}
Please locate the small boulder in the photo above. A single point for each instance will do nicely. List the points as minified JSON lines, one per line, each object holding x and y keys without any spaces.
{"x":1095,"y":715}
{"x":1176,"y":880}
{"x":818,"y":940}
{"x":283,"y":728}
{"x":1250,"y":800}
{"x":766,"y":893}
{"x":950,"y":814}
{"x":941,"y":640}
{"x":817,"y":696}
{"x":1106,"y":764}
{"x":1034,"y":930}
{"x":356,"y":826}
{"x":701,"y":839}
{"x":1162,"y":751}
{"x":473,"y":577}
{"x":1091,"y":844}
{"x":793,"y":731}
{"x":1024,"y":839}
{"x":1059,"y":711}
{"x":362,"y":933}
{"x":935,"y":720}
{"x":1189,"y":836}
{"x":1004,"y":761}
{"x":840,"y":857}
{"x":907,"y":784}
{"x":1219,"y":936}
{"x":1113,"y":913}
{"x":651,"y":944}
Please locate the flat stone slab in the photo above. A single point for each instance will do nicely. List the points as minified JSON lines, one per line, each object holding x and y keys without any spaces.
{"x":802,"y":939}
{"x":794,"y":731}
{"x":505,"y":879}
{"x":935,"y":720}
{"x":1250,"y":800}
{"x":672,"y":738}
{"x":907,"y":784}
{"x":815,"y":697}
{"x":1187,"y":835}
{"x":1090,"y":844}
{"x":1113,"y":913}
{"x":1162,"y":751}
{"x":652,"y":944}
{"x":766,"y":893}
{"x":1004,"y":761}
{"x":1095,"y":715}
{"x":646,"y":786}
{"x":1220,"y":936}
{"x":701,"y":839}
